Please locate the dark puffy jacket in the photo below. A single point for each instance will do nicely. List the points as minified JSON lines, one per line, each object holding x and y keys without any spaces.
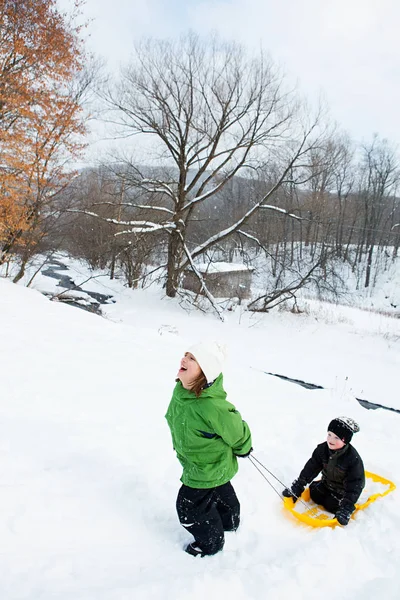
{"x":342,"y":471}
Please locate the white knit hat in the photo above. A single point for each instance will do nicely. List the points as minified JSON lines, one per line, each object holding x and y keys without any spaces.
{"x":211,"y":357}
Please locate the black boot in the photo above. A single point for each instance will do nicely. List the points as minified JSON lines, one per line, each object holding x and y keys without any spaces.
{"x":194,"y":550}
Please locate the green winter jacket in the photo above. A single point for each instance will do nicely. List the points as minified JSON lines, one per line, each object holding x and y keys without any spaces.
{"x":207,"y":433}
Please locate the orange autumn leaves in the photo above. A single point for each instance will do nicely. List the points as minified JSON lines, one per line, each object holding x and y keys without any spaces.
{"x":41,"y":56}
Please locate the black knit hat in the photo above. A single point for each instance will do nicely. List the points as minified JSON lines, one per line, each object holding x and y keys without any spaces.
{"x":343,"y":427}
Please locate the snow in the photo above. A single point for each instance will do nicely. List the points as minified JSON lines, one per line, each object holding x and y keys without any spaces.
{"x":89,"y":478}
{"x":222,"y":267}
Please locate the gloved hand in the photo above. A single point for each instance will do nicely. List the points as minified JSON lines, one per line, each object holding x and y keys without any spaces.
{"x":245,"y":455}
{"x":343,"y":514}
{"x":295,"y":491}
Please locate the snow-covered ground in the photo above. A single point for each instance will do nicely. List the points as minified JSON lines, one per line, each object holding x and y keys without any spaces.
{"x":88,"y":476}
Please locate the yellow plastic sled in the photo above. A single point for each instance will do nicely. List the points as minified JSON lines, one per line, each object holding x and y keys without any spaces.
{"x":312,"y":514}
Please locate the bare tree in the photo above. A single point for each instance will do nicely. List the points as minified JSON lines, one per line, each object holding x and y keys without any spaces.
{"x":212,"y":112}
{"x":380,"y":174}
{"x":344,"y":180}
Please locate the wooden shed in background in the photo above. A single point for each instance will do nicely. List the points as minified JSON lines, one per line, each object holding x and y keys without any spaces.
{"x":224,"y":280}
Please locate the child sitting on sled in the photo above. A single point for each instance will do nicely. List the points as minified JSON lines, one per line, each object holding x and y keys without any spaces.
{"x":342,"y":469}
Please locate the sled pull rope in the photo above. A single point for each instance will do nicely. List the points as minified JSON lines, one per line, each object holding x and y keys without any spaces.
{"x":268,"y":471}
{"x":255,"y":460}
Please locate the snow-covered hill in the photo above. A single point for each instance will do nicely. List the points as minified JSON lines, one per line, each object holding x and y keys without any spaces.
{"x":88,"y":477}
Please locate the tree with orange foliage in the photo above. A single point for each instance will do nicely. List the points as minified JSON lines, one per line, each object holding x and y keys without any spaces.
{"x":42,"y":87}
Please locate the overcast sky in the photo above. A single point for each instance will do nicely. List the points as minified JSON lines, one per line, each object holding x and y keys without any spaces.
{"x":348,"y":50}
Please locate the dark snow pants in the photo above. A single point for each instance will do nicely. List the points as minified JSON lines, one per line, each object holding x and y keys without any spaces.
{"x":207,"y":513}
{"x":321,"y":495}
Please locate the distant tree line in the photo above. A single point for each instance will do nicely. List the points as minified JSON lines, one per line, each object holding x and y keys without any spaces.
{"x":346,"y":211}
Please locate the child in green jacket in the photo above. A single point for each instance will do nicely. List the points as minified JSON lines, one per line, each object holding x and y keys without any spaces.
{"x":208,"y":434}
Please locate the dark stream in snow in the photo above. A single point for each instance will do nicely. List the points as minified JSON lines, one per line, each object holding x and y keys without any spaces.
{"x":66,"y":282}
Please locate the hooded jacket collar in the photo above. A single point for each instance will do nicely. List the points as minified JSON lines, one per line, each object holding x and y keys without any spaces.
{"x":210,"y":391}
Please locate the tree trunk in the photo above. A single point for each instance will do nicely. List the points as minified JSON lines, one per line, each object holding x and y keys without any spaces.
{"x":396,"y":246}
{"x":369,"y":265}
{"x":175,"y":252}
{"x":21,"y":272}
{"x":308,"y":229}
{"x":112,"y":266}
